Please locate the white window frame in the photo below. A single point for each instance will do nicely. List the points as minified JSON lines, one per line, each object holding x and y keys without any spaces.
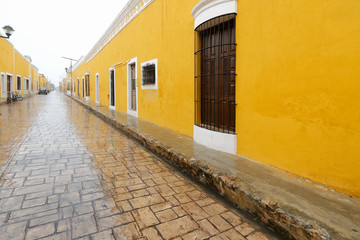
{"x":97,"y":88}
{"x":17,"y":86}
{"x":129,"y":110}
{"x":25,"y":80}
{"x":78,"y":85}
{"x":112,"y":107}
{"x":3,"y":85}
{"x":83,"y":87}
{"x":150,"y":86}
{"x":209,"y":9}
{"x":202,"y":12}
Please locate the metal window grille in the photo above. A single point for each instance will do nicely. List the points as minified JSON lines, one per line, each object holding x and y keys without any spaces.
{"x":148,"y":74}
{"x":215,"y":56}
{"x":18,"y":83}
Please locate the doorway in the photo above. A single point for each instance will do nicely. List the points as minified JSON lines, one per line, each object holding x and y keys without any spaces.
{"x":3,"y":86}
{"x":132,"y":90}
{"x":218,"y":57}
{"x":97,"y":88}
{"x":83,"y":87}
{"x":112,"y":89}
{"x":9,"y":84}
{"x":78,"y":87}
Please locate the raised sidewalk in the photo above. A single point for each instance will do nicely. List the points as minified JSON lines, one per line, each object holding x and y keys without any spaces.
{"x":293,"y":206}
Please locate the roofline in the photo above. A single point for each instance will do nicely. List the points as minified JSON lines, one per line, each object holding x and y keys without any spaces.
{"x":129,"y":12}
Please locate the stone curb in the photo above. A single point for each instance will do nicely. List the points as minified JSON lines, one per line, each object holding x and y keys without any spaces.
{"x":282,"y":220}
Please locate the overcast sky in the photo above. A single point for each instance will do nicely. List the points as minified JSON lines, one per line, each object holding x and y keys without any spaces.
{"x":46,"y":30}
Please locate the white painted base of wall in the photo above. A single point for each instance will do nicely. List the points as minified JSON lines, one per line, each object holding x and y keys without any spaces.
{"x":132,"y":113}
{"x":87,"y":98}
{"x":224,"y":142}
{"x":68,"y":93}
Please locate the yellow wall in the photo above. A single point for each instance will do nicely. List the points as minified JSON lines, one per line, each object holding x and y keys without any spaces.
{"x":42,"y":80}
{"x":22,"y":68}
{"x":6,"y":58}
{"x":298,"y":88}
{"x":34,"y":78}
{"x":164,"y":106}
{"x":14,"y":63}
{"x":297,"y":81}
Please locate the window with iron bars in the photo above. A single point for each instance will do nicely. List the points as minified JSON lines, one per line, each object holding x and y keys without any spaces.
{"x":215,"y":56}
{"x":148,"y":74}
{"x":18,"y":84}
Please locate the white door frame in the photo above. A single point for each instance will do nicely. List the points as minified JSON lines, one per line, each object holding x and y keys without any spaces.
{"x":3,"y":85}
{"x":129,"y":110}
{"x":97,"y":88}
{"x":112,"y":107}
{"x":83,"y":87}
{"x":12,"y":84}
{"x":87,"y":98}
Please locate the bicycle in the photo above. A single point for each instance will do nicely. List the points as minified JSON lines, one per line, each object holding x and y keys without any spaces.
{"x":18,"y":97}
{"x":10,"y":98}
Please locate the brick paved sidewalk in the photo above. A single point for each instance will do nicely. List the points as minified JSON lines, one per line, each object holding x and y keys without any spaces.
{"x":74,"y":177}
{"x":293,"y":205}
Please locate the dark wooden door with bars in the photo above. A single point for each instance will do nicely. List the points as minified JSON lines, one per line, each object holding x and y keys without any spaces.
{"x":8,"y":85}
{"x":133,"y":87}
{"x":112,"y":88}
{"x":218,"y":54}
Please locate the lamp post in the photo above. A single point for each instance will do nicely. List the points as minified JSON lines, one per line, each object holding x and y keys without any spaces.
{"x":71,"y":83}
{"x":8,"y":31}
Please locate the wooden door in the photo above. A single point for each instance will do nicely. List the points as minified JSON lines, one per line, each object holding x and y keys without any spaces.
{"x":112,"y":88}
{"x":218,"y":77}
{"x":8,"y":85}
{"x":133,"y":87}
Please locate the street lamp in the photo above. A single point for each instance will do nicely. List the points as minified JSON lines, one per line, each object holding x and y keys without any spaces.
{"x":8,"y":31}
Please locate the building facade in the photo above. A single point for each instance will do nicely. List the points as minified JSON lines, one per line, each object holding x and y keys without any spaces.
{"x":17,"y":72}
{"x":274,"y":81}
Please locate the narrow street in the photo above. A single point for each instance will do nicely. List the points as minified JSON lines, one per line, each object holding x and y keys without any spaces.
{"x":66,"y":174}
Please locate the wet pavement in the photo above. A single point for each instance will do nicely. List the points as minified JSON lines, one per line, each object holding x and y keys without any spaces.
{"x":66,"y":174}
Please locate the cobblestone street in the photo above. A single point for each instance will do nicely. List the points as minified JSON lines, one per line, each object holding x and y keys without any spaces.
{"x":66,"y":174}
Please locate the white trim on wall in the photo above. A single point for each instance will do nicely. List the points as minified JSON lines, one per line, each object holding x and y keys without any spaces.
{"x":87,"y":98}
{"x":78,"y":86}
{"x":110,"y":106}
{"x":17,"y":86}
{"x":132,"y":9}
{"x":25,"y":87}
{"x":150,"y":86}
{"x":3,"y":85}
{"x":129,"y":110}
{"x":83,"y":87}
{"x":224,"y":142}
{"x":97,"y":88}
{"x":208,"y":9}
{"x":12,"y":83}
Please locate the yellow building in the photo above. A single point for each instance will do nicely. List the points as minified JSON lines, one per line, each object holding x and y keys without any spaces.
{"x":34,"y":78}
{"x":6,"y":67}
{"x":43,"y":81}
{"x":17,"y":72}
{"x":274,"y":81}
